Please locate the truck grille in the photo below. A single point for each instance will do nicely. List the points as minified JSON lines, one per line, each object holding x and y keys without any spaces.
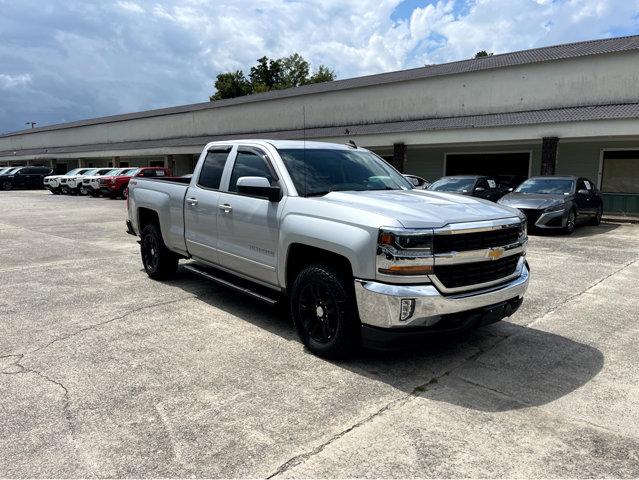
{"x":466,"y":274}
{"x":86,"y":180}
{"x":63,"y":180}
{"x":463,"y":242}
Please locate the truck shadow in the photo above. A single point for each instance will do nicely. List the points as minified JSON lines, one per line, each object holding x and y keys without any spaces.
{"x":496,"y":368}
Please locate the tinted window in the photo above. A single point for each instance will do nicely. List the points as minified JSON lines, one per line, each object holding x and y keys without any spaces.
{"x":483,"y":183}
{"x":249,"y":164}
{"x":554,"y":186}
{"x":211,"y":173}
{"x":319,"y":171}
{"x":453,"y":184}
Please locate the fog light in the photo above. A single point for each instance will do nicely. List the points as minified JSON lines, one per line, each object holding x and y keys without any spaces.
{"x":407,"y":309}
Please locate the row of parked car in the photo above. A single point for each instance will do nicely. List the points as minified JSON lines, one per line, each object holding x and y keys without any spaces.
{"x":549,"y":202}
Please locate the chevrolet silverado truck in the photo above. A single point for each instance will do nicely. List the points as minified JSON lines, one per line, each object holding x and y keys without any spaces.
{"x":361,"y":257}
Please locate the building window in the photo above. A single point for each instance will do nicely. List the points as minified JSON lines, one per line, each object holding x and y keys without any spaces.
{"x":620,"y":172}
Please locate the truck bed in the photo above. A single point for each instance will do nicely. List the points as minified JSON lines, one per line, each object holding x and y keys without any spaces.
{"x":165,"y":196}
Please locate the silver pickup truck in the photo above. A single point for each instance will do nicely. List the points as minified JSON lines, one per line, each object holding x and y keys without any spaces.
{"x":361,"y":256}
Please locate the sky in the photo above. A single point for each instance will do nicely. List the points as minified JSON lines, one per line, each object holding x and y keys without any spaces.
{"x":65,"y":60}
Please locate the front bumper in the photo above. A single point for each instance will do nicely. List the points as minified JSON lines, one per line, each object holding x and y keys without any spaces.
{"x":546,"y":220}
{"x":379,"y":304}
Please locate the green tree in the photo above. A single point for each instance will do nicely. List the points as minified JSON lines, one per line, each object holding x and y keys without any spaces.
{"x":231,"y":85}
{"x":295,"y":71}
{"x":270,"y":74}
{"x":267,"y":73}
{"x":482,"y":53}
{"x":323,"y":74}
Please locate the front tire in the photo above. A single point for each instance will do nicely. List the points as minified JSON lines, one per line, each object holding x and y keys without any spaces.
{"x":159,"y":262}
{"x":571,"y":221}
{"x":7,"y":185}
{"x":324,"y":310}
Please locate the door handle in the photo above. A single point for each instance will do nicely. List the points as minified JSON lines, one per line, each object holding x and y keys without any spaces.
{"x":192,"y":201}
{"x":226,"y":208}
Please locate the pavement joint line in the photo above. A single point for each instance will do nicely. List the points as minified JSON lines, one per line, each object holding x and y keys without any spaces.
{"x":416,"y":392}
{"x":578,"y":294}
{"x":567,"y":418}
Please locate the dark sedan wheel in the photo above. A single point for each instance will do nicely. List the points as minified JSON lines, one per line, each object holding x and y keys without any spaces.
{"x":159,"y":262}
{"x":325,"y":313}
{"x":596,"y":220}
{"x":571,"y":221}
{"x":7,"y":185}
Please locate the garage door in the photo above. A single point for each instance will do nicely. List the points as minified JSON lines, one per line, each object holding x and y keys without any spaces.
{"x":509,"y":167}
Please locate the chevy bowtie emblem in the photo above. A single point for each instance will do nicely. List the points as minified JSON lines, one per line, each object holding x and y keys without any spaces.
{"x":495,"y":253}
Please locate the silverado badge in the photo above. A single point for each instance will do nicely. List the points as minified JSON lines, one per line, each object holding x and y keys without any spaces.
{"x":496,"y":253}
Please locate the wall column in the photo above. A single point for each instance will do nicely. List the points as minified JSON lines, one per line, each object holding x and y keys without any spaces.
{"x":549,"y":155}
{"x":399,"y":156}
{"x":116,"y":162}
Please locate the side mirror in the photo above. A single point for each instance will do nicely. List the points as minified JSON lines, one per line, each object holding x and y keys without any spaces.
{"x":258,"y":187}
{"x":583,"y":191}
{"x":414,"y":182}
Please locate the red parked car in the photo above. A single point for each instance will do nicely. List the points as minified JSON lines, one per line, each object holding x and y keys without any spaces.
{"x":116,"y":186}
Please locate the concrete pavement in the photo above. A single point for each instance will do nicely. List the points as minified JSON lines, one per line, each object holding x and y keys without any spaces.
{"x":108,"y":373}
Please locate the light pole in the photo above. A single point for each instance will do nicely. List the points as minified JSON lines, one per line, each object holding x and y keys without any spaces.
{"x":31,"y":123}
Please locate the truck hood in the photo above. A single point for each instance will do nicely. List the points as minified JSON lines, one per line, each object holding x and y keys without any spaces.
{"x":422,"y":208}
{"x":533,"y":201}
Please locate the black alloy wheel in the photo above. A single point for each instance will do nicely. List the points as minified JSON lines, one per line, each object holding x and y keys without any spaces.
{"x":324,"y":310}
{"x":596,"y":220}
{"x":318,"y":312}
{"x":7,"y":185}
{"x":159,"y":262}
{"x":150,"y":250}
{"x":571,"y":221}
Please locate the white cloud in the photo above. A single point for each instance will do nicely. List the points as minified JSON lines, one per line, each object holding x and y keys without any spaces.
{"x":130,"y":6}
{"x":12,"y":81}
{"x":83,"y":59}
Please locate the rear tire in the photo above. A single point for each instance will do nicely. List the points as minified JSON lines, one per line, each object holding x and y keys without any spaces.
{"x":596,"y":220}
{"x":159,"y":262}
{"x":324,"y":310}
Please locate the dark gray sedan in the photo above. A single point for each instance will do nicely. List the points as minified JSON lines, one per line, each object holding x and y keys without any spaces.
{"x":557,"y":202}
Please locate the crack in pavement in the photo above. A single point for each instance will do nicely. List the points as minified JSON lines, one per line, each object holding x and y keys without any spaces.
{"x":416,"y":392}
{"x":115,"y":319}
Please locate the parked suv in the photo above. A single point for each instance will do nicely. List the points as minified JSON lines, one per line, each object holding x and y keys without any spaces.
{"x":116,"y":186}
{"x":359,"y":254}
{"x":75,"y":184}
{"x":557,"y":202}
{"x":24,"y":177}
{"x":57,"y":183}
{"x":475,"y":185}
{"x":92,"y":183}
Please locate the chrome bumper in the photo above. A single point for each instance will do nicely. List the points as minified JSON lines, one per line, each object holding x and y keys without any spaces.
{"x":379,"y":304}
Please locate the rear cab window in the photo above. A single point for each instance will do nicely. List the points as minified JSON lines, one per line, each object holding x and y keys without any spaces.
{"x":213,"y":168}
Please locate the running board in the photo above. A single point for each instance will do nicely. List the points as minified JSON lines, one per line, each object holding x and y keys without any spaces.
{"x":239,"y":285}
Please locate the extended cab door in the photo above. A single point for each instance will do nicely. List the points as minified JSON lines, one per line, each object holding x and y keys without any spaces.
{"x":201,"y":206}
{"x":248,"y":227}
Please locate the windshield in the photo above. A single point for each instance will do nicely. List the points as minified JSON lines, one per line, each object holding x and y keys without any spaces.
{"x":75,"y":171}
{"x":112,"y":173}
{"x":11,"y":170}
{"x":129,"y":172}
{"x":90,"y":172}
{"x":320,"y":171}
{"x":546,"y":185}
{"x":453,"y":184}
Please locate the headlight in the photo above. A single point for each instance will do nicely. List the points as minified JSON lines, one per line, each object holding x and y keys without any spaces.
{"x":405,"y":252}
{"x":555,"y":208}
{"x":523,"y":228}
